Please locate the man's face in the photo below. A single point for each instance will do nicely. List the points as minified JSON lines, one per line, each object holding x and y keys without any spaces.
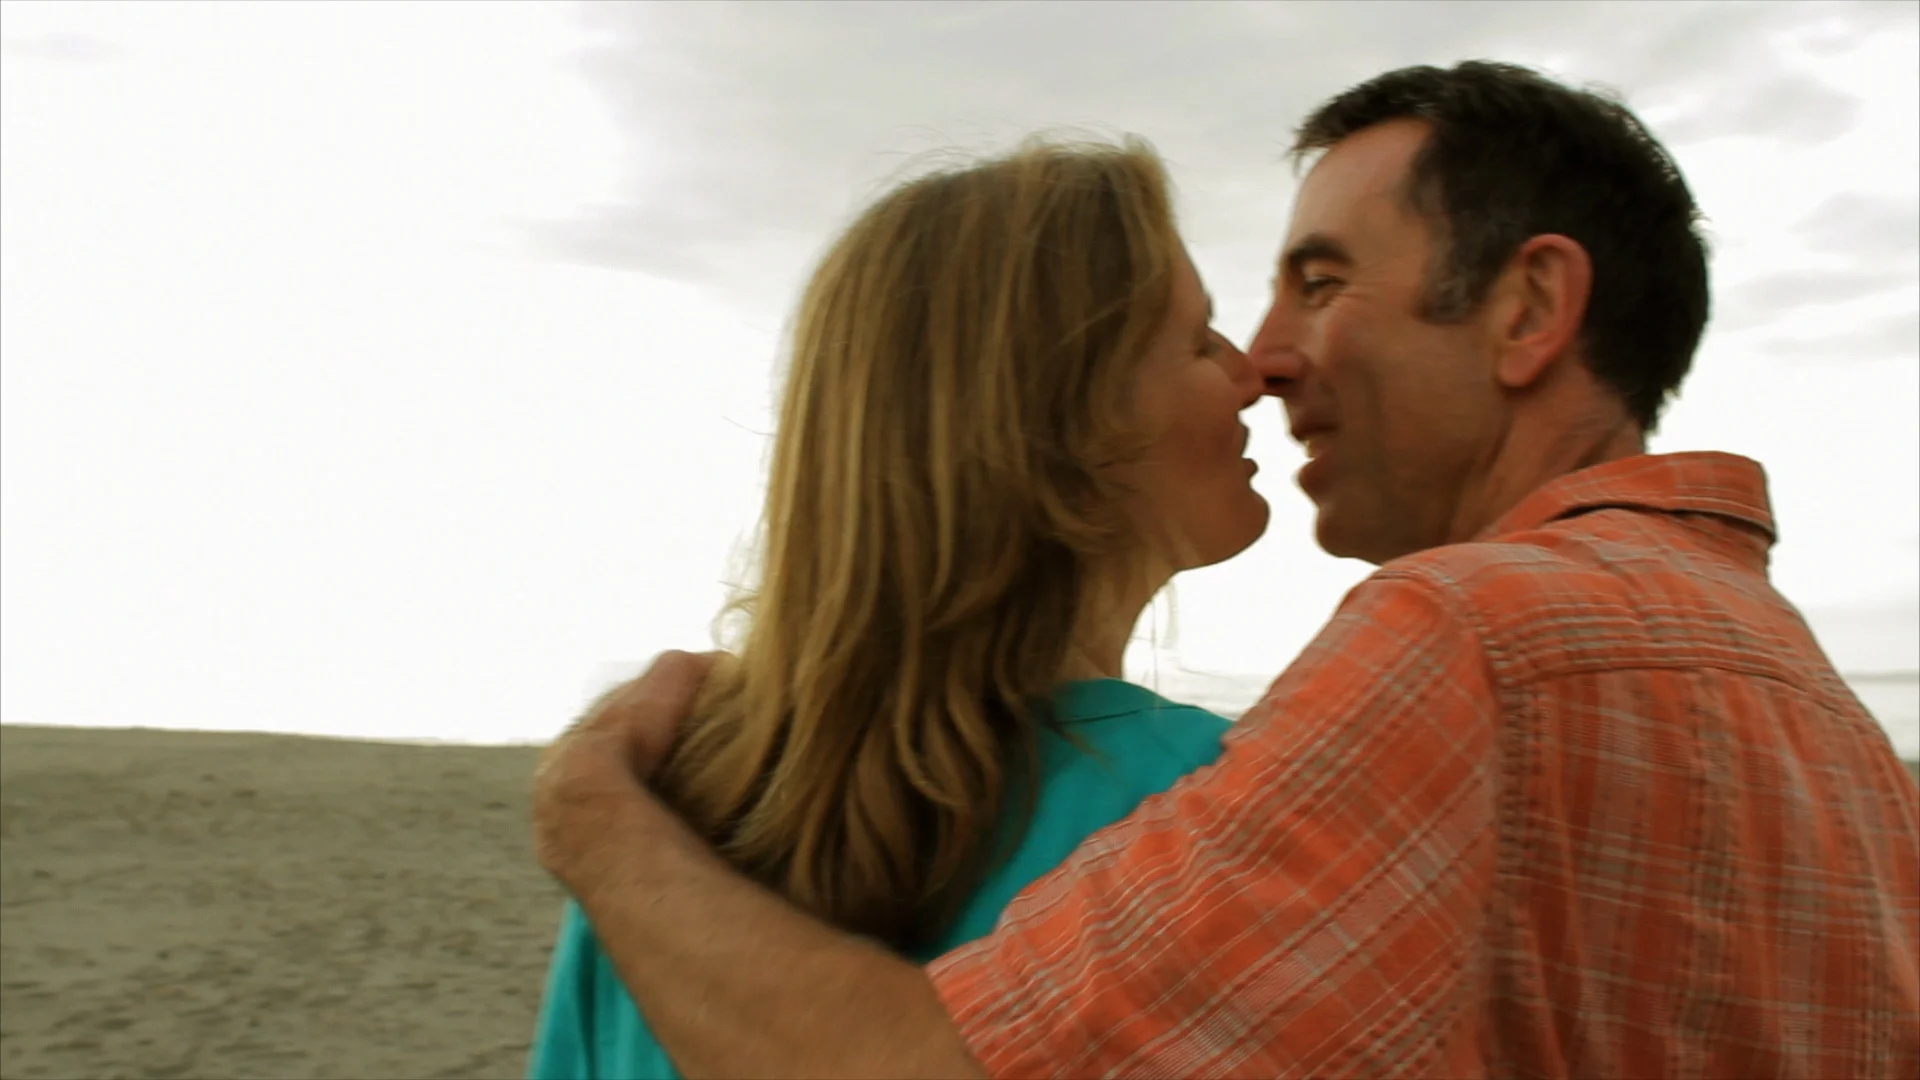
{"x":1398,"y":415}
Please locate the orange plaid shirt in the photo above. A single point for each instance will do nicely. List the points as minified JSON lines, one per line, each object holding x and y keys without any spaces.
{"x":1580,"y":798}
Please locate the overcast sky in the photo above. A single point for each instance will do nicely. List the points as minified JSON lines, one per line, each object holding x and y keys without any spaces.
{"x":404,"y":368}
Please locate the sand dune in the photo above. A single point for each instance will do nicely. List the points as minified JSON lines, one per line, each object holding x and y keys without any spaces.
{"x":203,"y":905}
{"x":223,"y":906}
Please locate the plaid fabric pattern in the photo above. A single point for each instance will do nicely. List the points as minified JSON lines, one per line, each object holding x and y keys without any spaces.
{"x":1580,"y":798}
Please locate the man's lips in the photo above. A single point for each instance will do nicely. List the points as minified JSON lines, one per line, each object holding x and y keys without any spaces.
{"x":1312,"y":437}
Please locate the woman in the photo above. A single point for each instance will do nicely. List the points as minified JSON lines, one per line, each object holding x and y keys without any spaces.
{"x":1007,"y":425}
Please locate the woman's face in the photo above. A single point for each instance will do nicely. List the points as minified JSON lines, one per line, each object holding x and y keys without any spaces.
{"x":1191,"y":494}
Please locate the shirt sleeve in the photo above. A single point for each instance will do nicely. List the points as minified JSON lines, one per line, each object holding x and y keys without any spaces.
{"x":1310,"y":905}
{"x":563,"y":1036}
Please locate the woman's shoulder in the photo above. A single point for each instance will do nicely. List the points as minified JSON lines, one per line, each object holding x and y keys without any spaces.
{"x":1111,"y":746}
{"x":1099,"y":704}
{"x":1100,"y":720}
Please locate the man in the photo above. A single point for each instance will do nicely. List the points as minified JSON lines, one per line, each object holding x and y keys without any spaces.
{"x":1564,"y":788}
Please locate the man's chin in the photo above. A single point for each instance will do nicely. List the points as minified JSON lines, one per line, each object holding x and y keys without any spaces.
{"x":1338,"y":537}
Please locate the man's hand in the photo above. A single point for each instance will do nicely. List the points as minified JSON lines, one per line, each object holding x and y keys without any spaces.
{"x":734,"y":980}
{"x":603,"y":761}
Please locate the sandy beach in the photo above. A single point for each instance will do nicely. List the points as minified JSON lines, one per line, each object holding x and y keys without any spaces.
{"x":211,"y":905}
{"x":221,"y":906}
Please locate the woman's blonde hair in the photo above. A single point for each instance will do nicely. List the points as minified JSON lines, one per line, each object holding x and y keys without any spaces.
{"x":962,"y":374}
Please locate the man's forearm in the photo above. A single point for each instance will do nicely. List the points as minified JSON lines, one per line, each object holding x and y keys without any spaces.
{"x":736,"y":982}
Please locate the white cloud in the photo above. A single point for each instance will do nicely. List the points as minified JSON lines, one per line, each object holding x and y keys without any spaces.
{"x":395,"y":368}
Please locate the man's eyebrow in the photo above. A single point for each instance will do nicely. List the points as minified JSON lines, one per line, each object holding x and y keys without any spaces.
{"x":1314,"y":247}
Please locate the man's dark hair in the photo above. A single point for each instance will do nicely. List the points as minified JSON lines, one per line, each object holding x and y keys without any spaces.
{"x":1511,"y":155}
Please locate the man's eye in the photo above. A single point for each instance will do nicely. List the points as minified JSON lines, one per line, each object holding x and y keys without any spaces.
{"x":1313,"y":286}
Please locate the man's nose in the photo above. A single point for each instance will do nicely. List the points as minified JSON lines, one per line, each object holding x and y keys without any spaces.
{"x":1273,"y":356}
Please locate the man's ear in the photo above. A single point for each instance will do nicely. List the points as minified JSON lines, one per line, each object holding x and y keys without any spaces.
{"x":1544,"y":293}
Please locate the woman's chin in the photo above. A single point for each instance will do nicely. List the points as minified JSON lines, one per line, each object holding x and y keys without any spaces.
{"x":1251,"y":517}
{"x":1261,"y":513}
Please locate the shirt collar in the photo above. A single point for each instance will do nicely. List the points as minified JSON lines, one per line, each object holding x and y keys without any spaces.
{"x":1721,"y":485}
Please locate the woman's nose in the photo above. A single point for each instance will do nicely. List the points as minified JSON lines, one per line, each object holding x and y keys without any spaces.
{"x":1240,"y":372}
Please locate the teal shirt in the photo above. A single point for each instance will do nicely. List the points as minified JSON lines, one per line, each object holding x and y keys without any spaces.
{"x":1135,"y":744}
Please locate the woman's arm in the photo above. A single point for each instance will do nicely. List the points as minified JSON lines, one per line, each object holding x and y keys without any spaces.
{"x":563,"y":1037}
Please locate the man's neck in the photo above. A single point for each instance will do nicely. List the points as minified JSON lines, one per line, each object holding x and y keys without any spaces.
{"x":1538,"y":450}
